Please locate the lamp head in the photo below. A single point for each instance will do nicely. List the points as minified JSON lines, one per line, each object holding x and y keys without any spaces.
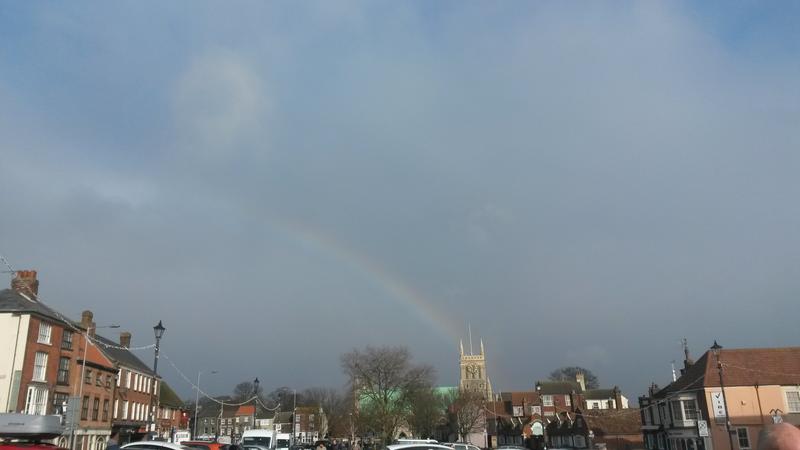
{"x":159,"y":330}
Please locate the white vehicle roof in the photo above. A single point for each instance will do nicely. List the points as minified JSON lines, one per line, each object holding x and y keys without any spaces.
{"x":258,"y":432}
{"x":154,"y":445}
{"x":417,"y":444}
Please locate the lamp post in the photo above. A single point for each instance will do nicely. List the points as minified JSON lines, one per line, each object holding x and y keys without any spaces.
{"x":158,"y":330}
{"x":86,"y":343}
{"x":255,"y":400}
{"x":715,"y":349}
{"x":197,"y":402}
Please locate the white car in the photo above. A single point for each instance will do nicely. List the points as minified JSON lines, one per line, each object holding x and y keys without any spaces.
{"x":418,"y":446}
{"x":463,"y":446}
{"x":154,"y":445}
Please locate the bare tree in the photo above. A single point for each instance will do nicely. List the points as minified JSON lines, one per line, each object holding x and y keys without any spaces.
{"x":467,"y":412}
{"x":244,"y":391}
{"x":337,"y":410}
{"x":285,"y":397}
{"x":427,"y":412}
{"x":384,"y":381}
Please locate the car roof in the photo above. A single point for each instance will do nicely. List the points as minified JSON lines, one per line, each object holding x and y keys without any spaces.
{"x":418,"y":444}
{"x":157,"y":444}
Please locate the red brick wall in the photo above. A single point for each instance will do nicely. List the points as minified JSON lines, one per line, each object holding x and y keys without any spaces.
{"x":54,"y":353}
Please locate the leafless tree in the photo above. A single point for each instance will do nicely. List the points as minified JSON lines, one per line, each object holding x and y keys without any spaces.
{"x":384,"y":381}
{"x":467,"y":412}
{"x":333,"y":403}
{"x":427,"y":412}
{"x":244,"y":391}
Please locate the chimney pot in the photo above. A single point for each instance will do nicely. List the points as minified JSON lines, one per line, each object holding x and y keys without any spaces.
{"x":25,"y":282}
{"x":125,"y":339}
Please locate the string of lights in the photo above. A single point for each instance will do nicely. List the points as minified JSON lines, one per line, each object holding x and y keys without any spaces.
{"x":208,"y":396}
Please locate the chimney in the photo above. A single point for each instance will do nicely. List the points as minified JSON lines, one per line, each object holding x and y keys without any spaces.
{"x":617,"y":397}
{"x":581,"y":379}
{"x":87,"y":323}
{"x":25,"y":283}
{"x":125,"y":339}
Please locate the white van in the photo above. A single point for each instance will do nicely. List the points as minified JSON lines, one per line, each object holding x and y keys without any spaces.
{"x":283,"y":441}
{"x":264,"y":438}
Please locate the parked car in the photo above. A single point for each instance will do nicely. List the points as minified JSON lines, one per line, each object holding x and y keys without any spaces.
{"x":421,"y":445}
{"x":154,"y":445}
{"x":205,"y":445}
{"x":463,"y":446}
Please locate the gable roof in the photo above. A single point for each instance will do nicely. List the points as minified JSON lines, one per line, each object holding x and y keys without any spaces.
{"x":599,"y":394}
{"x":246,"y":410}
{"x":13,"y":302}
{"x":558,"y":387}
{"x":517,"y":398}
{"x":613,"y":422}
{"x":168,"y":397}
{"x":741,"y":367}
{"x":123,"y":356}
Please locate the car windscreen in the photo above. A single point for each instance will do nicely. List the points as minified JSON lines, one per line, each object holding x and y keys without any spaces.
{"x":256,"y":440}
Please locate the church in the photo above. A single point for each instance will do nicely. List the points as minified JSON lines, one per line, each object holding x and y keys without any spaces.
{"x":473,"y":371}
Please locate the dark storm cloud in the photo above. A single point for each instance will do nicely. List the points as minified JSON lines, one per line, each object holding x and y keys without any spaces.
{"x":585,"y":186}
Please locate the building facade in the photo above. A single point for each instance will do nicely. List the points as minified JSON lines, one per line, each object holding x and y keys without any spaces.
{"x":737,"y":390}
{"x":473,"y":376}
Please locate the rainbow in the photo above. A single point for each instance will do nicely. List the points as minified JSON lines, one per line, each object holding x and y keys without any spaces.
{"x":398,"y":289}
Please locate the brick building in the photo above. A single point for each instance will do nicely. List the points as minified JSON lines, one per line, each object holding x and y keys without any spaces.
{"x":136,"y":384}
{"x":50,"y":368}
{"x":761,"y":386}
{"x":172,"y":416}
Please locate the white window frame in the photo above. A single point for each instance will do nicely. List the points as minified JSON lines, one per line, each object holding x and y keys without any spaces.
{"x":45,"y":332}
{"x":567,"y":400}
{"x":788,"y":403}
{"x":40,"y":366}
{"x":36,"y":400}
{"x":547,"y":400}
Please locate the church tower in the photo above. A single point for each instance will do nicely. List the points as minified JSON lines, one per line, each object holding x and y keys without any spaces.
{"x":473,"y":371}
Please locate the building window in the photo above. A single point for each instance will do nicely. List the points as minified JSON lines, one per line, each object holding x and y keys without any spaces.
{"x":44,"y":333}
{"x":85,"y":408}
{"x":793,"y":401}
{"x":36,"y":401}
{"x":124,"y":413}
{"x":675,"y":407}
{"x":98,"y":381}
{"x":87,"y":378}
{"x":744,"y":439}
{"x":547,"y":400}
{"x":63,"y":371}
{"x":128,"y":379}
{"x":567,"y":400}
{"x":60,"y":403}
{"x":39,"y":366}
{"x":690,"y":409}
{"x":105,"y":410}
{"x":66,"y":340}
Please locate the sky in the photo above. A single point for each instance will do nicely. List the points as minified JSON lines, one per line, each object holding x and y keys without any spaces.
{"x":281,"y":182}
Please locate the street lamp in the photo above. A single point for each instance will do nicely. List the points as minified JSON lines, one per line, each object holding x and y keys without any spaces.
{"x":197,"y":402}
{"x":715,"y":349}
{"x":158,"y":330}
{"x":86,"y":342}
{"x":255,"y":400}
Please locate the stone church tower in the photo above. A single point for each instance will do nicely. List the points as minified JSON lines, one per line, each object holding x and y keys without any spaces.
{"x":473,"y":372}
